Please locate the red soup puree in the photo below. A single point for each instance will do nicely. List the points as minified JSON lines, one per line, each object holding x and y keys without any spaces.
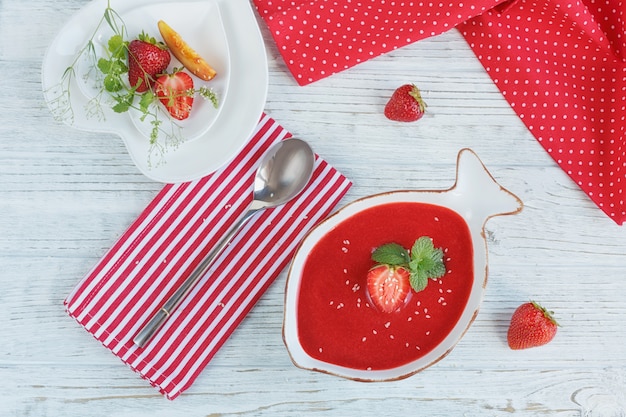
{"x":336,"y":322}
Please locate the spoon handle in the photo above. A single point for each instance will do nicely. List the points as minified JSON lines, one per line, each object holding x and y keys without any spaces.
{"x":161,"y":316}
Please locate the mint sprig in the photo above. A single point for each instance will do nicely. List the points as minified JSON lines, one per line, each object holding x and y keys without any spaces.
{"x":423,"y":262}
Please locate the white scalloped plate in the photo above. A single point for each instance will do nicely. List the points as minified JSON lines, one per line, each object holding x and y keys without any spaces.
{"x":474,"y":198}
{"x":225,"y":32}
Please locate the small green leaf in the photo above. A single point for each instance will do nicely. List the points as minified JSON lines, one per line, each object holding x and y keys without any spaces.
{"x":391,"y":254}
{"x":112,"y":83}
{"x":146,"y":100}
{"x":116,"y":44}
{"x":124,"y":102}
{"x":418,"y":280}
{"x":422,"y":247}
{"x":437,"y":271}
{"x":118,"y":67}
{"x":120,"y":107}
{"x":104,"y":65}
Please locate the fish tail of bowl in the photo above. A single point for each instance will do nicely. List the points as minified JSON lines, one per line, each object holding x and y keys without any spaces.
{"x":474,"y":179}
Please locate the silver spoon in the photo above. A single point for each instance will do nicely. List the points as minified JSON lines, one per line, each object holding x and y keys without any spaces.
{"x":283,"y":172}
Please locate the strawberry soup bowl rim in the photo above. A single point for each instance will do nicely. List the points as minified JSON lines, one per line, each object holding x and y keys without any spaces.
{"x":456,"y":198}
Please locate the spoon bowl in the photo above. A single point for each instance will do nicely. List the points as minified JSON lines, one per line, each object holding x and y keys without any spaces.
{"x":283,"y":172}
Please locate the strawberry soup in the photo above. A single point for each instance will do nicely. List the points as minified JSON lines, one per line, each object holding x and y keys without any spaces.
{"x":336,"y":321}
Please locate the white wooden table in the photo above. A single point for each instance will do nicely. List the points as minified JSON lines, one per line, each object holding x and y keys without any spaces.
{"x":66,"y":195}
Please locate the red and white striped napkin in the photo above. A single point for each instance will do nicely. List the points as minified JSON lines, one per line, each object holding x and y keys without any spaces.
{"x":170,"y":238}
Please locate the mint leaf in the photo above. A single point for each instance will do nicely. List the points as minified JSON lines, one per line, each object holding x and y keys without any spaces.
{"x":422,"y":248}
{"x":426,"y":262}
{"x":418,"y":280}
{"x":391,"y":254}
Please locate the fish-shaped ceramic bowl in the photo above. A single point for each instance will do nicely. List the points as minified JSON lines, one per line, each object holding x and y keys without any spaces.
{"x":331,"y":325}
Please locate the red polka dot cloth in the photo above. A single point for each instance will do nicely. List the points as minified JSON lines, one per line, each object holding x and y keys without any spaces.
{"x":559,"y":63}
{"x":318,"y":38}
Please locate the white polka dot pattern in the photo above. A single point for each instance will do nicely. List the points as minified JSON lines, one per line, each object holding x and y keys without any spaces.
{"x":561,"y":67}
{"x":318,"y":38}
{"x":559,"y":63}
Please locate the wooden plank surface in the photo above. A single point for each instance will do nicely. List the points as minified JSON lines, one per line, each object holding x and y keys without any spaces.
{"x":66,"y":195}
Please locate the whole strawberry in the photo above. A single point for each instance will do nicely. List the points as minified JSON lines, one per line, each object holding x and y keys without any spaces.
{"x":406,"y":104}
{"x":147,"y":58}
{"x":531,"y":326}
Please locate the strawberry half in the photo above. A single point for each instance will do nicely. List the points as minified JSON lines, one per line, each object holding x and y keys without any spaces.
{"x":398,"y":271}
{"x":406,"y":104}
{"x":147,"y":58}
{"x":388,"y":287}
{"x":531,"y":326}
{"x":175,"y":91}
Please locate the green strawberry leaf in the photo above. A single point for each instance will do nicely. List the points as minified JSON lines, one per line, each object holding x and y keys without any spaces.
{"x":391,"y":254}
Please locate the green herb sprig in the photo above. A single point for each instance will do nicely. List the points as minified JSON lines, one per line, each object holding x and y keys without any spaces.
{"x":423,"y":262}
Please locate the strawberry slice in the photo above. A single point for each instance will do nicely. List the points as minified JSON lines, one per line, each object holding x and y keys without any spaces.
{"x":388,"y":287}
{"x":175,"y":91}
